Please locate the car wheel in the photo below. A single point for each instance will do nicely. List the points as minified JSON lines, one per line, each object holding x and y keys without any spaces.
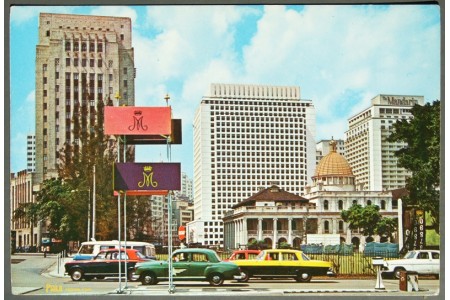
{"x":303,"y":276}
{"x":76,"y":274}
{"x":397,"y":272}
{"x":148,"y":278}
{"x":216,"y":279}
{"x":245,"y":276}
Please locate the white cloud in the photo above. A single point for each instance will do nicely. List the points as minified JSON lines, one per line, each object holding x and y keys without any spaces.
{"x":22,"y":14}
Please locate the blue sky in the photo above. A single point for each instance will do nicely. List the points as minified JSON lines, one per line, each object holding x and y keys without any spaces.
{"x":340,"y":56}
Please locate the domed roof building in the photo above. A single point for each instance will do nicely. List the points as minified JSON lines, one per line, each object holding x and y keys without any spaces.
{"x":334,"y":172}
{"x":275,"y":216}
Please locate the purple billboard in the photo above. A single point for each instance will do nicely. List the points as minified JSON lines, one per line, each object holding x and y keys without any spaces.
{"x":147,"y":176}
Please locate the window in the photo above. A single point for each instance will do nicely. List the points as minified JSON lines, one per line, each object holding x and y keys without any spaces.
{"x":125,"y":83}
{"x":83,"y":62}
{"x":340,"y":205}
{"x":110,"y":63}
{"x":67,"y":47}
{"x":325,"y":205}
{"x":75,"y":62}
{"x":99,"y":63}
{"x":122,"y":37}
{"x":92,"y":62}
{"x":125,"y":71}
{"x":68,"y":62}
{"x":383,"y":204}
{"x":326,"y":226}
{"x":44,"y":67}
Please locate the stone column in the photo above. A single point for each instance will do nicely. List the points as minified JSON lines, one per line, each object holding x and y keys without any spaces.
{"x":260,"y":230}
{"x":244,"y":231}
{"x":275,"y":233}
{"x":334,"y":224}
{"x":290,"y":231}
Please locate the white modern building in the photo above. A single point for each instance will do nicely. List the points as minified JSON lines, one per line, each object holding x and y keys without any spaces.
{"x":371,"y":157}
{"x":247,"y":137}
{"x":31,"y":153}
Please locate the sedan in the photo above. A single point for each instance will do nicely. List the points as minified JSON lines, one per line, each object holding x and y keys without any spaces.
{"x":420,"y":261}
{"x":189,"y":264}
{"x":283,"y":263}
{"x":105,"y":264}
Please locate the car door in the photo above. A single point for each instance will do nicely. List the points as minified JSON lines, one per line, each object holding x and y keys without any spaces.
{"x":271,"y":264}
{"x":181,"y":264}
{"x":199,"y":262}
{"x":100,"y":264}
{"x":435,"y":262}
{"x":422,"y":263}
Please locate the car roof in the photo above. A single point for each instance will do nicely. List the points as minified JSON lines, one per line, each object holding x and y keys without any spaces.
{"x":194,"y":250}
{"x":117,"y":250}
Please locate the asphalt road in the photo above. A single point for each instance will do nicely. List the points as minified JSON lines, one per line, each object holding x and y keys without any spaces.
{"x":35,"y":275}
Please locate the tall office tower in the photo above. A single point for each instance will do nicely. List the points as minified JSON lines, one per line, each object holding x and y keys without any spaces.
{"x":371,"y":157}
{"x":80,"y":60}
{"x":247,"y":137}
{"x":31,"y":153}
{"x":323,"y":148}
{"x":186,"y":189}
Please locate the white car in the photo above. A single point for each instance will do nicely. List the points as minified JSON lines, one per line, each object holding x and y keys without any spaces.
{"x":420,"y":261}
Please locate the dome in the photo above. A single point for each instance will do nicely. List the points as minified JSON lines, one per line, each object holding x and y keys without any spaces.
{"x":333,"y":164}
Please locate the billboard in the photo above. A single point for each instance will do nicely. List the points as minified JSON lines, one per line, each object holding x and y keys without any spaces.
{"x":133,"y":120}
{"x":147,"y":176}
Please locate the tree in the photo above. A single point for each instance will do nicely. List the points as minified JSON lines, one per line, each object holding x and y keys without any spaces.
{"x":421,"y":156}
{"x":365,"y":218}
{"x":370,"y":220}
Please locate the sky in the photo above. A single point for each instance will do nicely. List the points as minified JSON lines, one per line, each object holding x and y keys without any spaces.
{"x":340,"y":57}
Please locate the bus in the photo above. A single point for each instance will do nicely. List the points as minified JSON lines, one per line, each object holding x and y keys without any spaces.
{"x":90,"y":249}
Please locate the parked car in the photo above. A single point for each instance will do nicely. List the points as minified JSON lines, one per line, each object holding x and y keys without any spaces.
{"x":105,"y":264}
{"x":243,"y":254}
{"x":283,"y":263}
{"x":420,"y":261}
{"x":189,"y":264}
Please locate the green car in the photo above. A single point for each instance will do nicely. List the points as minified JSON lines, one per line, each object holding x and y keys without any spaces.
{"x":189,"y":264}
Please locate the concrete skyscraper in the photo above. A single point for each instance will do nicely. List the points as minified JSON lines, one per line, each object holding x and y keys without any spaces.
{"x":80,"y":60}
{"x":247,"y":137}
{"x":371,"y":157}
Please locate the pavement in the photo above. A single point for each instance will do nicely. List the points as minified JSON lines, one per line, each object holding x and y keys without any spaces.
{"x":365,"y":287}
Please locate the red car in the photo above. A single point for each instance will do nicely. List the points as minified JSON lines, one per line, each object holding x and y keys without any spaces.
{"x":243,"y":254}
{"x":105,"y":264}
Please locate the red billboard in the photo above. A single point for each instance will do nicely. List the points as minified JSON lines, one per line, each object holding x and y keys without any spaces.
{"x":147,"y":176}
{"x":133,"y":120}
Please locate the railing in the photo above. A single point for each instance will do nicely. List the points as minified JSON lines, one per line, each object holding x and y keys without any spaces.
{"x":60,"y":260}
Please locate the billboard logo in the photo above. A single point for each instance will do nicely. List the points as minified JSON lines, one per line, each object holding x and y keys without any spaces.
{"x":147,"y":178}
{"x":138,"y":121}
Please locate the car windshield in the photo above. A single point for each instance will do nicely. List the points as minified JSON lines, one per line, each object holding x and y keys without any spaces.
{"x":140,"y":255}
{"x":410,"y":255}
{"x":217,"y":256}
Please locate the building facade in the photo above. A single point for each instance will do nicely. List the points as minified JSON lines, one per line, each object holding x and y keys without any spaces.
{"x":31,"y":153}
{"x":276,"y":216}
{"x":245,"y":137}
{"x":80,"y":60}
{"x":371,"y":157}
{"x":25,"y":232}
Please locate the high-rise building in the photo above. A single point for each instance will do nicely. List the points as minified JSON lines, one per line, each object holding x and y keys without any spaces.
{"x":31,"y":153}
{"x":80,"y":60}
{"x":247,"y":137}
{"x":371,"y":157}
{"x":186,"y":192}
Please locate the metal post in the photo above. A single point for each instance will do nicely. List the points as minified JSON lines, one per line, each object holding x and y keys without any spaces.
{"x":118,"y":217}
{"x":169,"y":208}
{"x":93,"y":205}
{"x":89,"y":214}
{"x":125,"y":235}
